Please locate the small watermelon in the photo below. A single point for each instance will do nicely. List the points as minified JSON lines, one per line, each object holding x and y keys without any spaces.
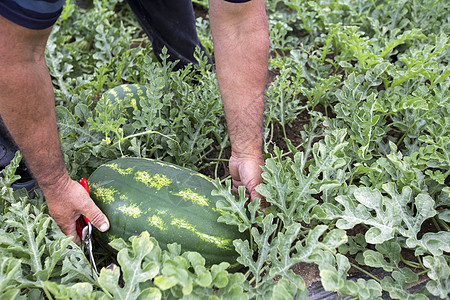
{"x":131,"y":93}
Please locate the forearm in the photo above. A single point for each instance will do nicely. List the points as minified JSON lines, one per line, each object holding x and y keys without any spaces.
{"x":241,"y":45}
{"x":27,"y":108}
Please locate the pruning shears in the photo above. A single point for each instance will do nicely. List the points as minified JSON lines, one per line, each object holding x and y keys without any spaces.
{"x":84,"y":230}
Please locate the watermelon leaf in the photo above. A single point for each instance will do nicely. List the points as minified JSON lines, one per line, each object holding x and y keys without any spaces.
{"x":10,"y":269}
{"x":439,"y":273}
{"x":135,"y":269}
{"x":81,"y":290}
{"x":391,"y":214}
{"x":236,"y":214}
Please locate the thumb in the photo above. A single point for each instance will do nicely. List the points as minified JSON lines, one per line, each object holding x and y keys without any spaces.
{"x":96,"y":217}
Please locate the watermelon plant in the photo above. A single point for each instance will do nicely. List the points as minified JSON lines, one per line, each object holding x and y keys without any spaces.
{"x":357,"y":144}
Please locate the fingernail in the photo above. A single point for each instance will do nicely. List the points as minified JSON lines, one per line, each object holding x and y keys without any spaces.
{"x":104,"y":227}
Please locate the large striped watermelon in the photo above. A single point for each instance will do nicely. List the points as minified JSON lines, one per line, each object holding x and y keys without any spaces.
{"x":172,"y":203}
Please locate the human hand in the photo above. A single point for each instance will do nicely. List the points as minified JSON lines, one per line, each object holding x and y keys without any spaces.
{"x":246,"y":171}
{"x":67,"y":201}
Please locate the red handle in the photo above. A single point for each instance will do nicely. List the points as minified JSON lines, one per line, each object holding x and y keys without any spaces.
{"x":84,"y":183}
{"x":81,"y":222}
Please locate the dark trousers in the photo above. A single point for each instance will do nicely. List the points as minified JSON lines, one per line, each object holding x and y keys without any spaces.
{"x":170,"y":24}
{"x":7,"y":151}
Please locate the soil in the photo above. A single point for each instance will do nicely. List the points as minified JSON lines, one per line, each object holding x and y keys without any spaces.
{"x":309,"y":272}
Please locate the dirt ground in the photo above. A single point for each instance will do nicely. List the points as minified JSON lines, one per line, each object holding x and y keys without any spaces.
{"x":309,"y":272}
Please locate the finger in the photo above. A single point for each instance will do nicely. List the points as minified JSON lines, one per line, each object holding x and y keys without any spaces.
{"x":69,"y":228}
{"x":235,"y":188}
{"x":92,"y":212}
{"x":96,"y":217}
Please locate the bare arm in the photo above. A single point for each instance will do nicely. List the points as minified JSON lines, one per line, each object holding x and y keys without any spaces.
{"x":27,"y":108}
{"x":241,"y":46}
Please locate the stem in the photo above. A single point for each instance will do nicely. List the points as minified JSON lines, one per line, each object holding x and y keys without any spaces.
{"x":284,"y":130}
{"x":411,"y":263}
{"x":436,"y":224}
{"x":216,"y":159}
{"x":443,"y":224}
{"x":251,"y":240}
{"x":47,"y":293}
{"x":325,"y":50}
{"x":365,"y":272}
{"x":146,"y":132}
{"x":216,"y":169}
{"x":266,"y":265}
{"x":275,"y":233}
{"x":423,"y":272}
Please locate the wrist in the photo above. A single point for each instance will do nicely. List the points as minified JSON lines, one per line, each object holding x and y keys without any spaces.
{"x":248,"y":145}
{"x":247,"y":154}
{"x":54,"y":184}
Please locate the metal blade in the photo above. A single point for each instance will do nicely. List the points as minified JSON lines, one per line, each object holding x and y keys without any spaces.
{"x":87,"y":241}
{"x":91,"y":256}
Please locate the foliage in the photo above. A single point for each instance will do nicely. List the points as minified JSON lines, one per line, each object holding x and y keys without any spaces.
{"x":357,"y":179}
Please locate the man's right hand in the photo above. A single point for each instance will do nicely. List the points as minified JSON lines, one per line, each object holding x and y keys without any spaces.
{"x":67,"y":201}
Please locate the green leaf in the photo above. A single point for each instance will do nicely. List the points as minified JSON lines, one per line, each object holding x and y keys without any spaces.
{"x":396,"y":286}
{"x":353,"y":214}
{"x":83,"y":112}
{"x":439,"y":273}
{"x":293,"y":195}
{"x":283,"y":289}
{"x":444,"y":215}
{"x":376,"y":259}
{"x":82,"y":291}
{"x":10,"y":269}
{"x":55,"y":251}
{"x":134,"y":268}
{"x":9,"y":177}
{"x":263,"y":244}
{"x":219,"y":275}
{"x":150,"y":293}
{"x":282,"y":260}
{"x":334,"y":279}
{"x":76,"y":268}
{"x":234,"y":289}
{"x":68,"y":126}
{"x":363,"y":289}
{"x":109,"y":278}
{"x":235,"y":207}
{"x":11,"y":294}
{"x":355,"y":244}
{"x":435,"y":243}
{"x":391,"y":214}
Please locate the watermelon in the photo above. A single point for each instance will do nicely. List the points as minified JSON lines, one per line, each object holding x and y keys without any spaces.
{"x":131,"y":93}
{"x":172,"y":203}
